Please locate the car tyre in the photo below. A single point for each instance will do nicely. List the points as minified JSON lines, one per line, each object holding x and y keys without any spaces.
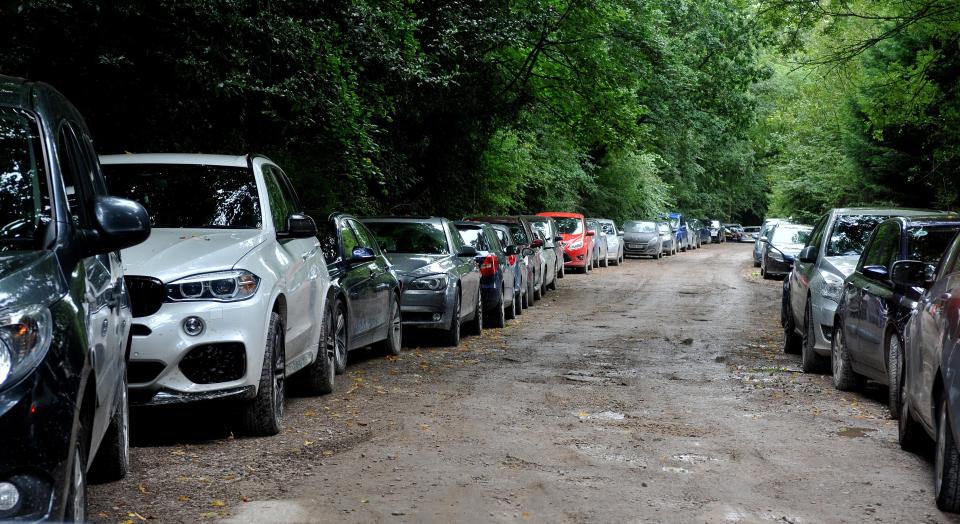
{"x":341,"y":339}
{"x":452,"y":334}
{"x":910,"y":433}
{"x":498,"y":317}
{"x":792,"y":342}
{"x":393,"y":344}
{"x":894,"y":374}
{"x":510,"y":312}
{"x":318,"y":377}
{"x":844,"y":377}
{"x":525,"y":299}
{"x":809,"y":360}
{"x":605,"y":261}
{"x":553,"y":283}
{"x":946,"y":462}
{"x":562,"y":272}
{"x":113,"y":458}
{"x":263,"y":416}
{"x":534,"y":292}
{"x":76,"y":510}
{"x":518,"y":303}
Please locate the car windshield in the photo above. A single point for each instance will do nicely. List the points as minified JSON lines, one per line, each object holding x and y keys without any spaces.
{"x":24,"y":200}
{"x":664,"y":227}
{"x":540,"y":227}
{"x":927,"y":244}
{"x":410,"y":237}
{"x":640,"y":227}
{"x":189,"y":195}
{"x":790,"y":235}
{"x":471,"y":236}
{"x":608,"y":228}
{"x":570,"y":226}
{"x":850,"y":233}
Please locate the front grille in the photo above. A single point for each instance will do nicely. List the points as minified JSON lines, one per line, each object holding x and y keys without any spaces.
{"x":213,"y":363}
{"x":146,"y":294}
{"x":142,"y":372}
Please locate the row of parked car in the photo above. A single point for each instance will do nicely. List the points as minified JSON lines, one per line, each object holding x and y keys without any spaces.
{"x":159,"y":279}
{"x":874,"y":294}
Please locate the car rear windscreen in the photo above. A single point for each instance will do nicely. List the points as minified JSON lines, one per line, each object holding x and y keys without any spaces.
{"x":422,"y":238}
{"x":189,"y":195}
{"x":927,"y":244}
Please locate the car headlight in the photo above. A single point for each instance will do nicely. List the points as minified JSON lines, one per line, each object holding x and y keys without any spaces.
{"x":25,"y":336}
{"x":576,"y":245}
{"x":776,"y":255}
{"x":221,"y":286}
{"x":429,"y":283}
{"x":832,"y":286}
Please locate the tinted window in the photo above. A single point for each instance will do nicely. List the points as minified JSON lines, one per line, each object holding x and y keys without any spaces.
{"x":493,"y":241}
{"x":365,"y":237}
{"x":816,"y":238}
{"x":850,"y":233}
{"x":281,"y":204}
{"x":410,"y":237}
{"x":608,"y":228}
{"x":197,"y":196}
{"x":541,"y":227}
{"x":24,"y":200}
{"x":884,"y":246}
{"x":570,"y":226}
{"x":928,"y":244}
{"x":502,"y":236}
{"x":640,"y":227}
{"x":349,"y":240}
{"x":328,"y":241}
{"x":473,"y":236}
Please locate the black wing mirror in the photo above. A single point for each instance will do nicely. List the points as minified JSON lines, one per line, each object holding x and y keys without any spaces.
{"x":299,"y":226}
{"x":118,"y":224}
{"x":558,"y":239}
{"x":912,"y":273}
{"x":620,"y":233}
{"x":467,"y":251}
{"x":510,"y":250}
{"x":362,"y":255}
{"x":878,"y":273}
{"x":808,"y":255}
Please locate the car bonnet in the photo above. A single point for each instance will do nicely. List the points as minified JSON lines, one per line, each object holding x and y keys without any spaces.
{"x":170,"y":254}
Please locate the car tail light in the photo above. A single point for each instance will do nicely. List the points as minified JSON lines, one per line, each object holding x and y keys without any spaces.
{"x":488,"y":267}
{"x":512,"y":260}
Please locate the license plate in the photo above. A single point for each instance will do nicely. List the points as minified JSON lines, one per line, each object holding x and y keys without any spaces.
{"x":636,"y":246}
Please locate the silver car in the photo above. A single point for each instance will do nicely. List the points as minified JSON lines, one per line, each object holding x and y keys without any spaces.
{"x":646,"y":238}
{"x":440,"y":276}
{"x":601,"y":255}
{"x":812,"y":290}
{"x":614,"y":240}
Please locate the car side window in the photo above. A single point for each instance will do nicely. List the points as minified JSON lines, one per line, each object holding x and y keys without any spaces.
{"x":457,"y":240}
{"x":280,"y":206}
{"x":365,"y":237}
{"x":501,"y":236}
{"x":71,"y":162}
{"x":492,"y":241}
{"x":883,"y":246}
{"x":816,"y":238}
{"x":348,"y":239}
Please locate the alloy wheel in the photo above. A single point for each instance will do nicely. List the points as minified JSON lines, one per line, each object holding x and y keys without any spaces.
{"x":78,"y":484}
{"x":340,"y":340}
{"x":279,"y":375}
{"x":396,"y":328}
{"x":940,"y":457}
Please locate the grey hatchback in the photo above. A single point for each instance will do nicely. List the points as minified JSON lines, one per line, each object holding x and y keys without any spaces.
{"x":441,"y":279}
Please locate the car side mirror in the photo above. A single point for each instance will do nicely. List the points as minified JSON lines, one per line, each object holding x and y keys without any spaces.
{"x":912,"y":273}
{"x":299,"y":226}
{"x":620,"y":233}
{"x":590,"y":233}
{"x":362,"y":255}
{"x":558,"y":239}
{"x":807,"y":255}
{"x":537,"y":243}
{"x":878,"y":273}
{"x":510,"y":250}
{"x":118,"y":224}
{"x":468,"y":251}
{"x":527,"y":251}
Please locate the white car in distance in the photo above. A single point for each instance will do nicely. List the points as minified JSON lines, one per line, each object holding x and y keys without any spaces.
{"x":230,"y":292}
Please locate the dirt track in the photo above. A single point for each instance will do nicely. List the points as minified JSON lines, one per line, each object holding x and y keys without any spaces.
{"x":651,"y":392}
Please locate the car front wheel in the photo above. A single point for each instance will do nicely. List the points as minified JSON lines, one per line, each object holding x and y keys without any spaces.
{"x":475,"y":327}
{"x":393,"y":344}
{"x":894,"y":374}
{"x":318,"y":377}
{"x":946,"y":463}
{"x":452,"y":335}
{"x":113,"y":458}
{"x":76,"y":510}
{"x":844,"y":378}
{"x":264,"y":415}
{"x":340,"y":340}
{"x":809,"y":360}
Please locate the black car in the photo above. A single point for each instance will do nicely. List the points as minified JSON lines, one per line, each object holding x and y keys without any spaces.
{"x":64,"y":309}
{"x":780,"y":247}
{"x":869,"y":325}
{"x":525,"y":237}
{"x":366,"y":289}
{"x":497,"y":274}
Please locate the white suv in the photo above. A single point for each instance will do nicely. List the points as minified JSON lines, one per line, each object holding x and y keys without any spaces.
{"x":230,"y":292}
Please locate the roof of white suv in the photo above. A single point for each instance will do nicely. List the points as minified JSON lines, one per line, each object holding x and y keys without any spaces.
{"x":176,"y":158}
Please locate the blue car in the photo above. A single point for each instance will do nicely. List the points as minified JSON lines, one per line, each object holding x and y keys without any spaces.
{"x":679,"y":224}
{"x":497,"y":274}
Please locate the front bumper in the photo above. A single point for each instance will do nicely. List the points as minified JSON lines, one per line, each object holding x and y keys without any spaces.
{"x":641,"y":249}
{"x":778,"y":268}
{"x":427,"y":309}
{"x":823,"y":310}
{"x":575,"y":257}
{"x":159,"y":346}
